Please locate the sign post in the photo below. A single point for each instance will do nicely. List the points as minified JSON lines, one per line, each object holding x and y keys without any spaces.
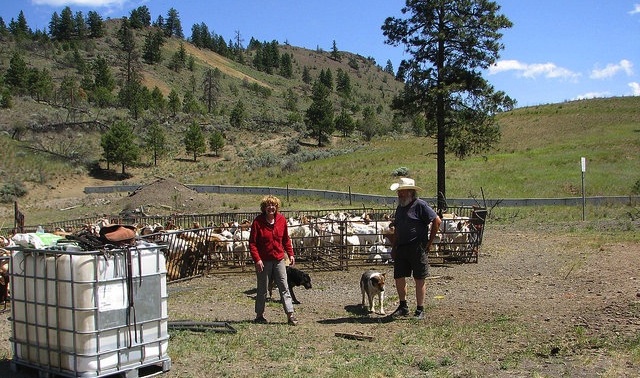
{"x":583,"y":163}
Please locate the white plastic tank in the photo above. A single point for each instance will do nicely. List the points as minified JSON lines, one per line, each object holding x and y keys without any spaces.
{"x":89,"y":313}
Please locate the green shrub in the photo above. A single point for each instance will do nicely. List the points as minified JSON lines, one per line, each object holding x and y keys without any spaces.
{"x":289,"y":166}
{"x":264,"y":160}
{"x":6,"y":100}
{"x":12,"y":190}
{"x":293,"y":147}
{"x":402,"y":171}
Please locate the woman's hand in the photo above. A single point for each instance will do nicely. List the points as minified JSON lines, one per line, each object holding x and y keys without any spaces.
{"x":259,"y":266}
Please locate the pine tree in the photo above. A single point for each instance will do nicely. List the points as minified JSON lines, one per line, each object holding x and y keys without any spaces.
{"x":236,"y":118}
{"x":66,"y":27}
{"x":80,"y":29}
{"x":157,"y":100}
{"x":135,"y":97}
{"x":194,"y":141}
{"x":155,"y":140}
{"x":20,"y":28}
{"x":389,"y":67}
{"x":118,"y":145}
{"x":370,"y":126}
{"x":211,"y":87}
{"x":319,"y":115}
{"x":172,"y":25}
{"x":95,"y":24}
{"x":54,"y":26}
{"x":16,"y":76}
{"x":450,"y":42}
{"x":140,"y":17}
{"x":343,"y":83}
{"x":6,"y":100}
{"x":306,"y":75}
{"x":286,"y":66}
{"x":102,"y":74}
{"x":344,"y":123}
{"x":40,"y":84}
{"x":335,"y":53}
{"x":291,"y":100}
{"x":4,"y":31}
{"x":190,"y":104}
{"x":174,"y":102}
{"x":128,"y":46}
{"x":216,"y":141}
{"x":151,"y":52}
{"x":326,"y":78}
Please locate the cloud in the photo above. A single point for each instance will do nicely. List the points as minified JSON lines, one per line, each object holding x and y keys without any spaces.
{"x":532,"y":71}
{"x":612,"y":69}
{"x":82,"y":3}
{"x":587,"y":95}
{"x":636,"y":9}
{"x":635,"y":88}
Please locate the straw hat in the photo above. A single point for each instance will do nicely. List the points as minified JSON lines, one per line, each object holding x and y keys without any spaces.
{"x":405,"y":183}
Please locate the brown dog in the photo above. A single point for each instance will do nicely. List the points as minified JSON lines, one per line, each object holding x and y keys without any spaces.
{"x":372,"y":286}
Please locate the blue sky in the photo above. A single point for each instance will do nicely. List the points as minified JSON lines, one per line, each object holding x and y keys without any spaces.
{"x":557,"y":50}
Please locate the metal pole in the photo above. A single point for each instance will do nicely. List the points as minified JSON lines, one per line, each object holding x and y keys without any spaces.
{"x":583,"y":199}
{"x":583,"y":164}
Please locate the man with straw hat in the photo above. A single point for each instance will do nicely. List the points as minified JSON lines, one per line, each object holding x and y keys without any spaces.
{"x":415,"y":227}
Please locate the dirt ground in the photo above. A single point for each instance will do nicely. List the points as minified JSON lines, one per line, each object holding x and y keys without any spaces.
{"x":551,"y":285}
{"x":562,"y":292}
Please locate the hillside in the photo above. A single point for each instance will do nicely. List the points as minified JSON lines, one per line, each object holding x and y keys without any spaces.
{"x":370,"y":86}
{"x":272,"y":104}
{"x":539,"y":156}
{"x":51,"y":150}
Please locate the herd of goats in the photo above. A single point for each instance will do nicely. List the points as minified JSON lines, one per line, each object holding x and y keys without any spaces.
{"x":336,"y":240}
{"x":333,"y":241}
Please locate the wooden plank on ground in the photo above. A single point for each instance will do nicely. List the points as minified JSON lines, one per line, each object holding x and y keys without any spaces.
{"x":355,"y":336}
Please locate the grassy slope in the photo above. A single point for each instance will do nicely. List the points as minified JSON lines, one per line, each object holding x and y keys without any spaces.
{"x":538,"y":156}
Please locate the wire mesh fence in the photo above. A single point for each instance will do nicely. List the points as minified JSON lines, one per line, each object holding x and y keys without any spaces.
{"x":329,"y":239}
{"x":322,"y":240}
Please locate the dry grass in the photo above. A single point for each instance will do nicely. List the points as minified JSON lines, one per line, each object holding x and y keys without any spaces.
{"x":539,"y":302}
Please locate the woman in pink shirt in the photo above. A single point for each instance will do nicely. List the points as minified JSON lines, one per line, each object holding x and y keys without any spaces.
{"x":269,"y":243}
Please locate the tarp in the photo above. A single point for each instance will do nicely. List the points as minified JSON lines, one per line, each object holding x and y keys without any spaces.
{"x":37,"y":240}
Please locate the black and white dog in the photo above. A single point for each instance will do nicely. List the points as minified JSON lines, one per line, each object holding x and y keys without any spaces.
{"x":372,"y":286}
{"x":295,"y":277}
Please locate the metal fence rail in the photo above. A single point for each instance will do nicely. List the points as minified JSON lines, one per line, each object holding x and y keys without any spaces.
{"x":389,"y":200}
{"x":329,"y":239}
{"x":187,"y":221}
{"x":320,"y":243}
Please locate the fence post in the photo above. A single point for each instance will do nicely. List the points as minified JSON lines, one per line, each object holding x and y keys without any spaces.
{"x":343,"y":251}
{"x":583,"y":163}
